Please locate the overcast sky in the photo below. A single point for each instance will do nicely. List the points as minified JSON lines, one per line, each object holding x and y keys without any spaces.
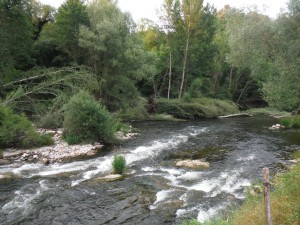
{"x":147,"y":8}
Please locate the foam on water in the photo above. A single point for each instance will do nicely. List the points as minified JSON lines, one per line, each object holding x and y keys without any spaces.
{"x":204,"y":215}
{"x":155,"y":148}
{"x":190,"y":175}
{"x":140,"y":153}
{"x":195,"y":131}
{"x":24,"y":197}
{"x":161,"y":196}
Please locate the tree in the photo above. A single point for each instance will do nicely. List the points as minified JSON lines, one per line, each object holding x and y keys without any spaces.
{"x":71,"y":15}
{"x":192,"y":14}
{"x":281,"y":90}
{"x":16,"y":36}
{"x":116,"y":54}
{"x":41,"y":15}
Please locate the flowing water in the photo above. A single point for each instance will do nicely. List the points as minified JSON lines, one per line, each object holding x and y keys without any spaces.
{"x":154,"y":191}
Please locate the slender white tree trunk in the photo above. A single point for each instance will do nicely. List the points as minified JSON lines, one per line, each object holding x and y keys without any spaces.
{"x":184,"y":62}
{"x":170,"y":75}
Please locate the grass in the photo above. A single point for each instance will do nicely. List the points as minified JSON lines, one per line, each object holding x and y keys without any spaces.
{"x":119,"y":164}
{"x":196,"y":108}
{"x":285,"y":203}
{"x":267,"y":111}
{"x":296,"y":155}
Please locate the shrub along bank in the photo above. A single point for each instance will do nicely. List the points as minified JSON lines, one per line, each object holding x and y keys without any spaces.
{"x":17,"y":131}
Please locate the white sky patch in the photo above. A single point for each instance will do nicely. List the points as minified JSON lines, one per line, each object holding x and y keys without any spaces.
{"x":148,"y":8}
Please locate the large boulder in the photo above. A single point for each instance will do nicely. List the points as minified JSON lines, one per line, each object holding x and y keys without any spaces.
{"x":193,"y":164}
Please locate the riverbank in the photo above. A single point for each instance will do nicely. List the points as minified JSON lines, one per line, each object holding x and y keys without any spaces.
{"x":60,"y":151}
{"x":285,"y":202}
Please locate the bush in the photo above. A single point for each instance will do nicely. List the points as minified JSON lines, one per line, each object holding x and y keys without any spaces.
{"x":119,"y":164}
{"x":17,"y":131}
{"x":138,"y":112}
{"x":89,"y":121}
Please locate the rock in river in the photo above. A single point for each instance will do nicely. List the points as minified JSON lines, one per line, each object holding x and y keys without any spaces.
{"x":193,"y":164}
{"x":111,"y":177}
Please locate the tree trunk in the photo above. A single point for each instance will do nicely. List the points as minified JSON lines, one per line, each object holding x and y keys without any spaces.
{"x":230,"y":80}
{"x":184,"y":62}
{"x":170,"y":75}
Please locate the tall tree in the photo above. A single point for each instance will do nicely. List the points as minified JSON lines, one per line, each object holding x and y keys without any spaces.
{"x":116,"y":53}
{"x":192,"y":12}
{"x":71,"y":15}
{"x":16,"y":36}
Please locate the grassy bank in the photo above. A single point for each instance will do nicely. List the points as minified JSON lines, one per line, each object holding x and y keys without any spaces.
{"x":267,"y":111}
{"x":285,"y":203}
{"x":172,"y":109}
{"x":195,"y":108}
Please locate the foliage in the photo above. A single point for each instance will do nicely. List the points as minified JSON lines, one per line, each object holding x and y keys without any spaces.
{"x":115,"y":53}
{"x":296,"y":155}
{"x":72,"y":140}
{"x":197,"y":108}
{"x":88,"y":120}
{"x":290,"y":122}
{"x":1,"y":154}
{"x":119,"y":164}
{"x":138,"y":112}
{"x":16,"y":47}
{"x":70,"y":16}
{"x":45,"y":91}
{"x":17,"y":131}
{"x":281,"y":93}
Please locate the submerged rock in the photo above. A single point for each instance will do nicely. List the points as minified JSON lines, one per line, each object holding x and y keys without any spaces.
{"x":4,"y":162}
{"x":123,"y":137}
{"x":6,"y":176}
{"x":276,"y":126}
{"x":193,"y":164}
{"x":110,"y":178}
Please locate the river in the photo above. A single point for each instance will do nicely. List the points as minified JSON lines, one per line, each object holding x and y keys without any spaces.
{"x":154,"y":191}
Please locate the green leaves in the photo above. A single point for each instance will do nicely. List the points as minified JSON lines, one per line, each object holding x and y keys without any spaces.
{"x":89,"y":121}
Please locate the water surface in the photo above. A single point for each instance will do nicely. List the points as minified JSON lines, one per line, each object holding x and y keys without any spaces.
{"x":154,"y":191}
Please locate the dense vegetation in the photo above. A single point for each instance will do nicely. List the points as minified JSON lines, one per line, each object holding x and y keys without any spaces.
{"x":17,"y":130}
{"x":190,"y":62}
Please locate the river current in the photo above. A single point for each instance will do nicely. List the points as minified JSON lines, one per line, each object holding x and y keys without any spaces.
{"x":154,"y":191}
